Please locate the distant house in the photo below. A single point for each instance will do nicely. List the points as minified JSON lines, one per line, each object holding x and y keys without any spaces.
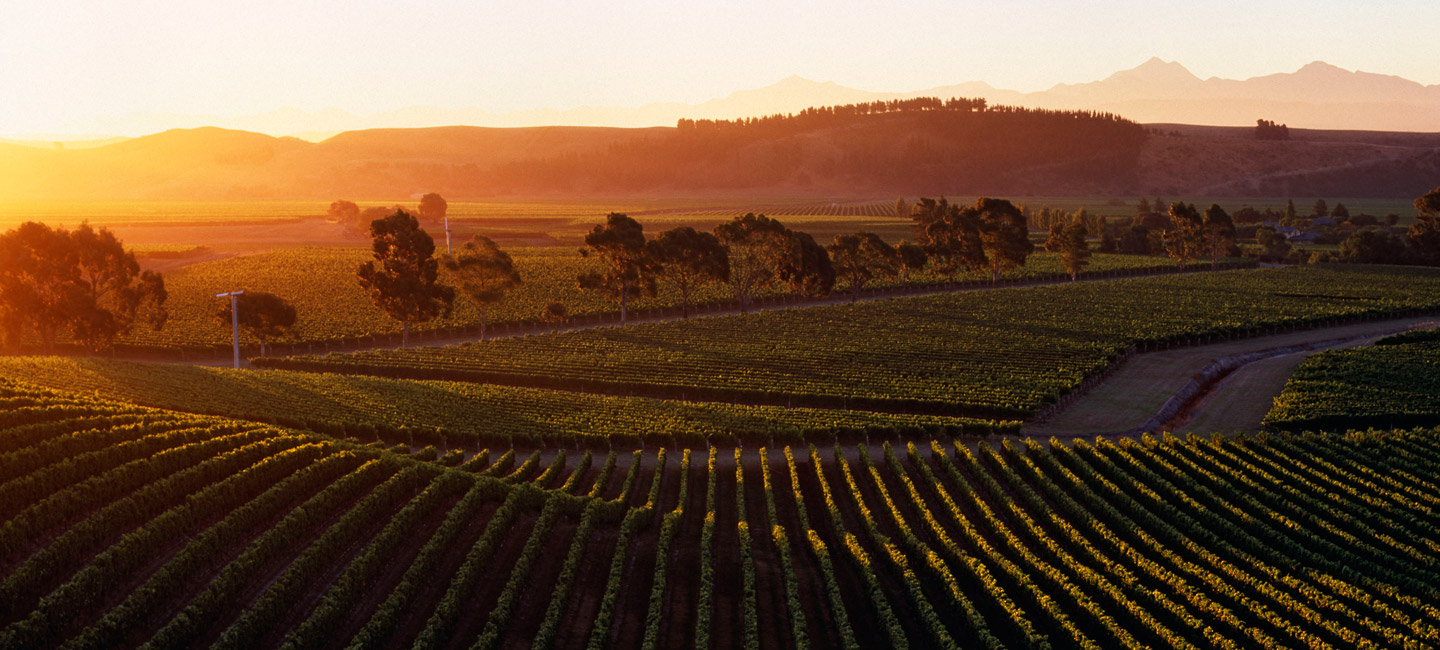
{"x":1321,"y":221}
{"x":1302,"y":237}
{"x":1288,"y":231}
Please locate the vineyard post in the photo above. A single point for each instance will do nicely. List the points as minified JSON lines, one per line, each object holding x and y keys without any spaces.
{"x":234,"y":321}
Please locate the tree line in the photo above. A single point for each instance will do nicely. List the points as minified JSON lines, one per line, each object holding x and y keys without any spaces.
{"x":751,"y":253}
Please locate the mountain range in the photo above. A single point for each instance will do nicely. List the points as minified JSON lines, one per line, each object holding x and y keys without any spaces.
{"x":1317,"y":96}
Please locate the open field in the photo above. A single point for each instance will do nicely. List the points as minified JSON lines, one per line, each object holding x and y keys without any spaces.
{"x":993,"y":354}
{"x":1392,"y":383}
{"x":244,"y":536}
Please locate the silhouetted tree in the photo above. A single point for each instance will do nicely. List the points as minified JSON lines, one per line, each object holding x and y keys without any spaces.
{"x":1074,"y":250}
{"x":862,"y":257}
{"x":689,"y":258}
{"x":1372,"y":247}
{"x":403,"y":277}
{"x":1107,"y":243}
{"x":806,"y":265}
{"x":629,"y":271}
{"x":1290,"y":214}
{"x":1340,"y":212}
{"x":83,"y":281}
{"x":1135,"y":241}
{"x":1003,"y":235}
{"x":483,"y":273}
{"x":433,"y":208}
{"x":1219,"y":234}
{"x":949,"y":234}
{"x":1320,"y":209}
{"x":756,"y":246}
{"x":1274,"y":246}
{"x":1268,"y":130}
{"x":912,"y":259}
{"x":1185,"y":238}
{"x":265,"y":316}
{"x":902,"y":208}
{"x":343,"y":211}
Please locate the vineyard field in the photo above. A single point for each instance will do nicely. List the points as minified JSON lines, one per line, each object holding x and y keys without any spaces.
{"x":991,"y":354}
{"x":461,"y":413}
{"x":246,"y":536}
{"x":331,"y":306}
{"x":1393,"y":383}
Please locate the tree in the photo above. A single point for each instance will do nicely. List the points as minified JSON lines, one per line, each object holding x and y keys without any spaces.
{"x":1074,"y":250}
{"x":264,"y":316}
{"x":1290,"y":214}
{"x":1424,"y":235}
{"x":1004,"y":237}
{"x":1429,"y":204}
{"x":1321,"y":209}
{"x":912,"y":259}
{"x":1372,"y":247}
{"x":1052,"y":240}
{"x":1268,"y":130}
{"x":1275,"y":246}
{"x":1185,"y":238}
{"x":949,"y":234}
{"x":862,"y":257}
{"x":1219,"y":234}
{"x":1135,"y":241}
{"x":483,"y":273}
{"x":902,"y":208}
{"x":1142,"y":210}
{"x":403,"y":277}
{"x":1108,"y":243}
{"x":756,"y":246}
{"x":1392,"y":219}
{"x":629,"y":271}
{"x":690,"y":258}
{"x":554,"y":312}
{"x":433,"y":208}
{"x":1340,"y":212}
{"x":83,"y":281}
{"x":806,"y":265}
{"x":343,"y":211}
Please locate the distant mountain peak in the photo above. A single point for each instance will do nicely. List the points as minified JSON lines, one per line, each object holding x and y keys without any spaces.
{"x":1158,"y":70}
{"x":1321,"y":68}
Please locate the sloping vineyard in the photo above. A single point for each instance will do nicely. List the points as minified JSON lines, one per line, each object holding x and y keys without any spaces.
{"x":331,"y":307}
{"x":991,"y":354}
{"x":127,"y":527}
{"x":1394,"y":383}
{"x":464,"y":414}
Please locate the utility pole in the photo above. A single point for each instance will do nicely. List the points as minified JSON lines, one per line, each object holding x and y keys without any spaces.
{"x":447,"y":236}
{"x":234,"y":297}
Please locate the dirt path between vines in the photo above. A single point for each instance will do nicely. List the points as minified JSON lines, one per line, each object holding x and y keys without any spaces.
{"x":1233,"y":400}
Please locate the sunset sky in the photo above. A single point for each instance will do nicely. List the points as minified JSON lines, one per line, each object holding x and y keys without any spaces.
{"x":66,"y":65}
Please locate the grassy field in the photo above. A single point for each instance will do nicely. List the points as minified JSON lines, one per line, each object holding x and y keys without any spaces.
{"x":244,"y":536}
{"x":1002,"y":353}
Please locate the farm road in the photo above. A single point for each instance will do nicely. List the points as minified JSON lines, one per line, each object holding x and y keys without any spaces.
{"x":1236,"y":401}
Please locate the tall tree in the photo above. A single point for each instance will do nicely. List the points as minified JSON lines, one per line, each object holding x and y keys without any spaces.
{"x":689,"y":258}
{"x":483,"y":273}
{"x":1003,"y":235}
{"x":1321,"y":209}
{"x":862,"y":257}
{"x":265,"y":316}
{"x":1423,"y":236}
{"x":1340,"y":212}
{"x":902,"y":208}
{"x":1074,"y":250}
{"x":629,"y":271}
{"x":912,"y":259}
{"x":403,"y":279}
{"x":83,"y":281}
{"x":1290,"y":214}
{"x":1219,"y":234}
{"x":1185,"y":238}
{"x":950,"y":236}
{"x":806,"y":266}
{"x":1276,"y":247}
{"x":756,"y":246}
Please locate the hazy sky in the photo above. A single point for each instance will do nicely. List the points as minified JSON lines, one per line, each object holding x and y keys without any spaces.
{"x":65,"y":62}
